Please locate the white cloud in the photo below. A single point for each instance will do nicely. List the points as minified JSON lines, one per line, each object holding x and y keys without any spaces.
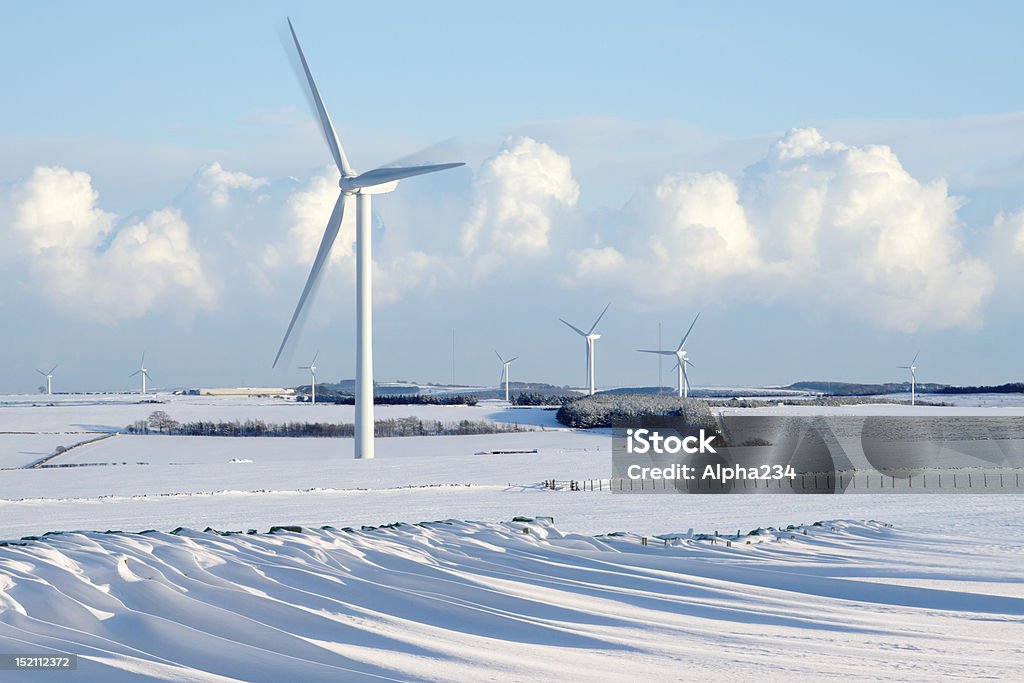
{"x":76,"y":258}
{"x":518,"y":196}
{"x":1017,"y":222}
{"x":218,"y":184}
{"x":56,"y":209}
{"x":816,"y":221}
{"x":306,"y":211}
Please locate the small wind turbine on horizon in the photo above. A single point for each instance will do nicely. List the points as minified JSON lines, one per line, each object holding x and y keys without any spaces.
{"x":361,"y":187}
{"x":49,"y":379}
{"x":591,"y":338}
{"x":504,"y":371}
{"x":682,"y":381}
{"x":312,"y":371}
{"x":142,"y":371}
{"x":913,"y":378}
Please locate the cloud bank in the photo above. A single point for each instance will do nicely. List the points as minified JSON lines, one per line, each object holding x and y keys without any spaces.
{"x":815,"y":221}
{"x":84,"y":263}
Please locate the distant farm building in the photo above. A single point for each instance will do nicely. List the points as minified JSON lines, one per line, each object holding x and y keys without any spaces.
{"x":247,"y":391}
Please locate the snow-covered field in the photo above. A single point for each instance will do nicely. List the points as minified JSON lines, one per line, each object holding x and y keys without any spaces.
{"x":938,"y":594}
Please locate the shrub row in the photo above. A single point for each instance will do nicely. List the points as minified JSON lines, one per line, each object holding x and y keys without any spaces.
{"x":600,"y":409}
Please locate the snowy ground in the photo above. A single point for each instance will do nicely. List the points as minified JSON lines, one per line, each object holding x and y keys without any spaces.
{"x":939,"y":594}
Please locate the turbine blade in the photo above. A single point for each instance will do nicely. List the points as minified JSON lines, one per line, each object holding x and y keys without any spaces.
{"x":330,"y":234}
{"x":680,"y":348}
{"x":915,"y":357}
{"x":688,"y":362}
{"x":660,"y":353}
{"x":340,"y":160}
{"x":578,"y":330}
{"x":509,"y":361}
{"x":143,"y":359}
{"x":379,"y":176}
{"x":498,"y":355}
{"x":315,"y":355}
{"x":135,"y":373}
{"x":592,"y":327}
{"x":52,"y":369}
{"x":147,"y":376}
{"x":41,"y":372}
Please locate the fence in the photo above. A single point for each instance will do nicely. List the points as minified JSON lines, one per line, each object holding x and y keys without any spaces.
{"x":945,"y":481}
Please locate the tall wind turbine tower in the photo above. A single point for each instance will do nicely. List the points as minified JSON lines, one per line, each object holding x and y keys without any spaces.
{"x":358,"y":188}
{"x":142,"y":371}
{"x":913,"y":378}
{"x":591,"y":338}
{"x":49,"y":379}
{"x":312,"y":371}
{"x":682,"y":381}
{"x":504,"y":371}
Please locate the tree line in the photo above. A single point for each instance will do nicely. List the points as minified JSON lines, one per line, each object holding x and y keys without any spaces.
{"x":159,"y":422}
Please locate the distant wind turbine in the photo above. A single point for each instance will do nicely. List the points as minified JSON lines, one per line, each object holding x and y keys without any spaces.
{"x":49,"y":379}
{"x":361,"y":187}
{"x":682,"y":381}
{"x":504,"y":370}
{"x":913,"y":377}
{"x":142,"y":371}
{"x":312,"y":371}
{"x":591,"y":337}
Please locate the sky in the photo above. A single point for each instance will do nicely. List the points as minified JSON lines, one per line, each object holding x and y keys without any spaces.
{"x":833,"y":187}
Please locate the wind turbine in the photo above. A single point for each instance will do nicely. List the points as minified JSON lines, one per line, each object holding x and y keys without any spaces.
{"x":682,"y":381}
{"x":312,"y":371}
{"x":142,"y":371}
{"x":49,"y":379}
{"x":361,"y":187}
{"x":504,"y":370}
{"x":913,"y":377}
{"x":591,"y":337}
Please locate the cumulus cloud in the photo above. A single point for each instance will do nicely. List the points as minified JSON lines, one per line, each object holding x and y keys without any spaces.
{"x":816,"y":220}
{"x":306,"y":211}
{"x":1016,"y":224}
{"x":218,"y":184}
{"x":77,"y":258}
{"x":519,"y":194}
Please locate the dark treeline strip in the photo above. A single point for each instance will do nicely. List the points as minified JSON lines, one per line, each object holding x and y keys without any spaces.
{"x":328,"y":396}
{"x":1009,"y":388}
{"x":403,"y":426}
{"x":600,"y":410}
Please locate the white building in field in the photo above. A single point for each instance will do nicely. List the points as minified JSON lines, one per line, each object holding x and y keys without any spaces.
{"x":247,"y":391}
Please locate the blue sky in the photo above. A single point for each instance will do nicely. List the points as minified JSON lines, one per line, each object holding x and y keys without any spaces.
{"x":143,"y":97}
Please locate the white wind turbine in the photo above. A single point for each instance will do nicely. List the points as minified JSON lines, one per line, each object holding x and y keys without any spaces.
{"x":312,"y":371}
{"x":682,"y":381}
{"x":504,"y":371}
{"x":49,"y":379}
{"x":591,"y":337}
{"x":913,"y":377}
{"x":142,"y":371}
{"x":361,"y":187}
